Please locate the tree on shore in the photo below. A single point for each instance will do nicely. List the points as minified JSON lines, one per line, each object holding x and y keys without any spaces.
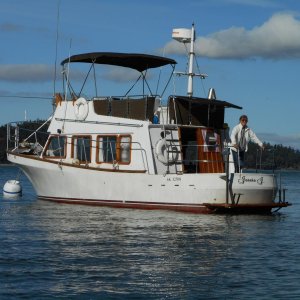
{"x":274,"y":155}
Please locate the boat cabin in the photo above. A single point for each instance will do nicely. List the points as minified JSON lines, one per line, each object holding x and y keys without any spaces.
{"x":136,"y":133}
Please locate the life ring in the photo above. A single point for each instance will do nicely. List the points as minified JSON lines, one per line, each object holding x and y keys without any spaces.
{"x":167,"y":153}
{"x":81,"y":108}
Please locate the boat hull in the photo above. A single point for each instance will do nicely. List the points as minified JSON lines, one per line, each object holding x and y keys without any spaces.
{"x":197,"y":193}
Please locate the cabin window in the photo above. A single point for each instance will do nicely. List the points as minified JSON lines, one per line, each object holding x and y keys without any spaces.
{"x":56,"y":147}
{"x":125,"y":147}
{"x":113,"y":148}
{"x":107,"y":149}
{"x":81,"y":148}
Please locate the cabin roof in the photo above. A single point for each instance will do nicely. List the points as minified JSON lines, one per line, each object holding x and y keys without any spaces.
{"x":139,"y":62}
{"x":205,"y":101}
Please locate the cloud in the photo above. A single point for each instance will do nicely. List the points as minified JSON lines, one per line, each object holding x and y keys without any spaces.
{"x":34,"y":73}
{"x":4,"y":93}
{"x":287,"y":140}
{"x":258,"y":3}
{"x":277,"y":38}
{"x":10,"y":27}
{"x":15,"y":28}
{"x":26,"y":73}
{"x":25,"y":95}
{"x":23,"y":73}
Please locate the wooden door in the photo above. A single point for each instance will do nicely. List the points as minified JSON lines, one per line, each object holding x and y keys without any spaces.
{"x":209,"y":151}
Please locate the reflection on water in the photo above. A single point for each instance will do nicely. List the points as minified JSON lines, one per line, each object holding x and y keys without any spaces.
{"x":68,"y":251}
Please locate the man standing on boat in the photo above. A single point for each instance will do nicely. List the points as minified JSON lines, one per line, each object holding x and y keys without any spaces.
{"x":240,"y":136}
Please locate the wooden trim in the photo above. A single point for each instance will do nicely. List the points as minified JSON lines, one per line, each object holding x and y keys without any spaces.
{"x":61,"y":163}
{"x":209,"y":161}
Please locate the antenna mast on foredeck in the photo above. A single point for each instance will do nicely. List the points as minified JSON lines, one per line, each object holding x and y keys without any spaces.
{"x":184,"y":35}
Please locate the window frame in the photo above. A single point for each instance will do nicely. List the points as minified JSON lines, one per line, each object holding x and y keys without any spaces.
{"x":73,"y":146}
{"x":118,"y":148}
{"x":51,"y":137}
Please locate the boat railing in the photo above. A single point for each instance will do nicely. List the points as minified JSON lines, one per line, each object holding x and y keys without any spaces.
{"x":224,"y":155}
{"x":137,"y":107}
{"x":109,"y":151}
{"x":143,"y":154}
{"x":265,"y":160}
{"x":203,"y":158}
{"x":23,"y":140}
{"x":21,"y":137}
{"x":133,"y":146}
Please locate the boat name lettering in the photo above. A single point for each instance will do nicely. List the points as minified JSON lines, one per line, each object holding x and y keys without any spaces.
{"x":244,"y":179}
{"x":174,"y":179}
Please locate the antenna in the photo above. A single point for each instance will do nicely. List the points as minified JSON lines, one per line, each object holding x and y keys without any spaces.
{"x":56,"y":47}
{"x":191,"y":61}
{"x":184,"y":35}
{"x":66,"y":88}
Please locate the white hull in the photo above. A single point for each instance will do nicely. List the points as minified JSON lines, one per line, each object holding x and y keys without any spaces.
{"x":134,"y":152}
{"x":187,"y":192}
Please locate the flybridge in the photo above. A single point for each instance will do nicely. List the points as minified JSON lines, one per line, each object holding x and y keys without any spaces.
{"x":135,"y":61}
{"x":143,"y":62}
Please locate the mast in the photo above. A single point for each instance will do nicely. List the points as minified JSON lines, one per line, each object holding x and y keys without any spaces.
{"x":184,"y":36}
{"x":191,"y":61}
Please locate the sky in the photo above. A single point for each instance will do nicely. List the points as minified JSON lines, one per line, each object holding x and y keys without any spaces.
{"x":250,"y":50}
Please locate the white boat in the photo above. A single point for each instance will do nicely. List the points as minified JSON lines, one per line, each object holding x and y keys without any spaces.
{"x":135,"y":152}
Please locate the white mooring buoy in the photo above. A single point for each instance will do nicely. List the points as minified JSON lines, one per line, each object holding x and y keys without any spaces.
{"x":12,"y":188}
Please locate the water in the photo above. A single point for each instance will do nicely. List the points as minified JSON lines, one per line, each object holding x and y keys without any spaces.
{"x":62,"y":251}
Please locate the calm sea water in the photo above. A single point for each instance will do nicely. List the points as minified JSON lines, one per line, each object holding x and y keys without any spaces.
{"x":61,"y":251}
